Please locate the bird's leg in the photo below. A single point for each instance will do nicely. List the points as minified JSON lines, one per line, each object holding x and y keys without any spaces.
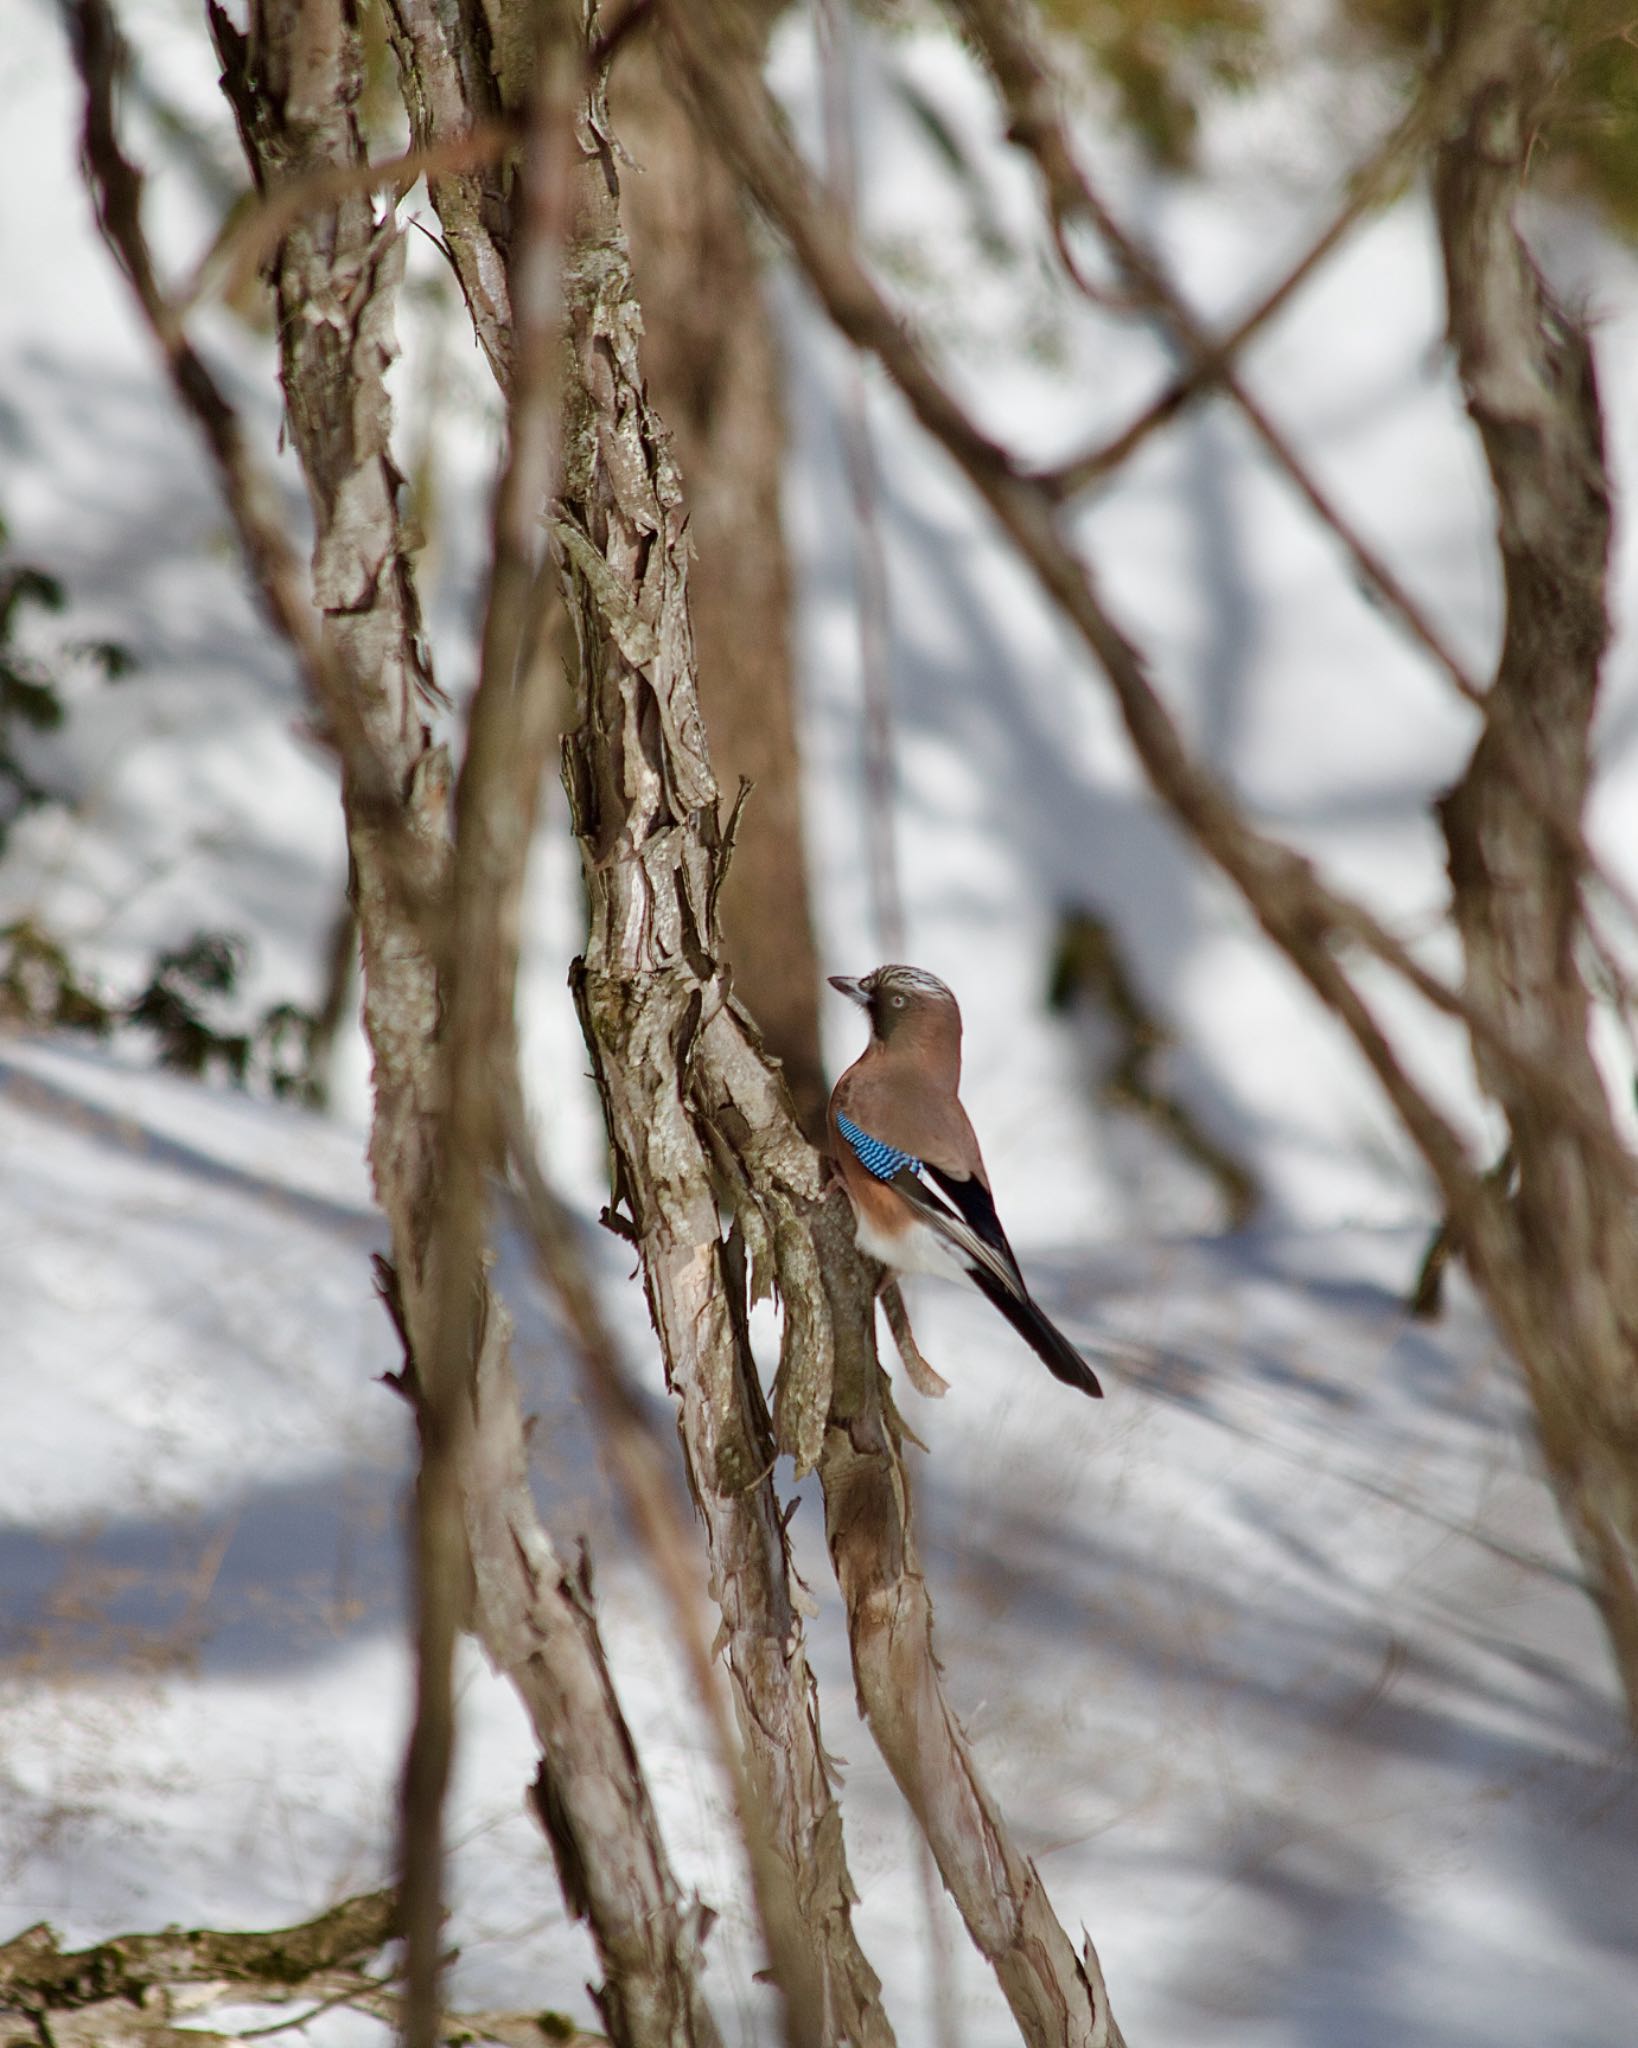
{"x":922,"y":1376}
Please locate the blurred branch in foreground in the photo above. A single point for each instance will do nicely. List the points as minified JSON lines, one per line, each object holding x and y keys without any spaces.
{"x":1559,"y":1263}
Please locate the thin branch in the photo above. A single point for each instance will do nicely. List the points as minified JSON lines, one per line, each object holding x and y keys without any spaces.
{"x":1003,"y":32}
{"x":1376,"y":175}
{"x":250,"y":235}
{"x":348,"y":1994}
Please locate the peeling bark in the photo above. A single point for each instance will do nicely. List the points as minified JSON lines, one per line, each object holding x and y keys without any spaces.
{"x":655,"y":1005}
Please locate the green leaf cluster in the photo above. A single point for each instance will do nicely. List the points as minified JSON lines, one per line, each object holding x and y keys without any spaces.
{"x":31,"y":698}
{"x":176,"y":1009}
{"x":1164,"y":57}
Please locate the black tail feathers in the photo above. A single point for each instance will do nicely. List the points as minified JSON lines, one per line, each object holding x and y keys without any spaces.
{"x":1049,"y":1344}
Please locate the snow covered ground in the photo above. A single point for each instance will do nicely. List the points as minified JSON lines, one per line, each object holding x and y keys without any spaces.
{"x":1276,"y":1658}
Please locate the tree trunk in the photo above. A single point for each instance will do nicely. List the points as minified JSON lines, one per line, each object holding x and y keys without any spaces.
{"x":644,"y":802}
{"x":714,"y":370}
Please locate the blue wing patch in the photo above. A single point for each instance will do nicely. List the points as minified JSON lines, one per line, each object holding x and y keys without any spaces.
{"x":886,"y":1162}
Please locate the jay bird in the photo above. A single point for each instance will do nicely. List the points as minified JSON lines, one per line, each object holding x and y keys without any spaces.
{"x":911,"y":1164}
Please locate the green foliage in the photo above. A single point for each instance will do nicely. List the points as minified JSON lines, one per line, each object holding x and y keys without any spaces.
{"x":172,"y":1007}
{"x":177,"y":1009}
{"x":41,"y":987}
{"x":30,"y":692}
{"x":1164,"y":56}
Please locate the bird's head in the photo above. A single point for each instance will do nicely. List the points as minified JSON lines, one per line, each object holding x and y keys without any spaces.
{"x":903,"y":1000}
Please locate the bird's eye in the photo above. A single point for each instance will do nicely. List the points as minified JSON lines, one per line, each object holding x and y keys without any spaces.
{"x":898,"y":1002}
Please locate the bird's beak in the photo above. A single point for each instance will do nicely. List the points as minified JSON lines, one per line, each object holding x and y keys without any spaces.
{"x":855,"y":991}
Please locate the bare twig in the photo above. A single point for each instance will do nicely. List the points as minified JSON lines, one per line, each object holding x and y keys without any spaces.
{"x":1367,"y":186}
{"x":250,"y":235}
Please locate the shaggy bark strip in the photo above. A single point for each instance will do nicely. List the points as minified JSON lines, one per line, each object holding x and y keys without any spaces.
{"x":651,"y":993}
{"x":1565,"y":1274}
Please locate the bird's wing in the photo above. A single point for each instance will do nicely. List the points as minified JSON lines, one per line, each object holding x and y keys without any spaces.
{"x":957,"y":1206}
{"x":962,"y":1212}
{"x":966,"y":1199}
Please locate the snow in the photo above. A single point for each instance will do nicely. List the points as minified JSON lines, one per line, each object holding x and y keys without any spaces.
{"x":1277,"y":1658}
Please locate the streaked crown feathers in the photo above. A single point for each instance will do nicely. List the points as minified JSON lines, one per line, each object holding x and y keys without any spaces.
{"x":895,"y":979}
